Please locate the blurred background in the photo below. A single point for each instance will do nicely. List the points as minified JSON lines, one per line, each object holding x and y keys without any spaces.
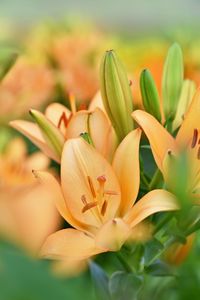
{"x":63,"y":41}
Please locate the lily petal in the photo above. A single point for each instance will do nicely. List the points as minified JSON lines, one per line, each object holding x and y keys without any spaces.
{"x":160,"y":140}
{"x":81,"y":167}
{"x":69,"y":243}
{"x":153,"y":202}
{"x":95,"y":123}
{"x":54,"y":112}
{"x":126,"y":166}
{"x":50,"y":181}
{"x":33,"y":133}
{"x":190,"y":122}
{"x":113,"y":234}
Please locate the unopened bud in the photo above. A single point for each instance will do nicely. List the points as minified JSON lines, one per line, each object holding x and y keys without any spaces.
{"x":116,"y":94}
{"x":172,"y":80}
{"x":150,"y":96}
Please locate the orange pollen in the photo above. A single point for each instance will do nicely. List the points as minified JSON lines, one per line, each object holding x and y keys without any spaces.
{"x":111,"y":193}
{"x":195,"y":138}
{"x":89,"y":206}
{"x":63,"y":119}
{"x":103,"y":209}
{"x":83,"y":199}
{"x":198,"y":154}
{"x":91,"y":186}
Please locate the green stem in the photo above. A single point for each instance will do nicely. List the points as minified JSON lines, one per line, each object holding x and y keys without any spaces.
{"x":155,"y":180}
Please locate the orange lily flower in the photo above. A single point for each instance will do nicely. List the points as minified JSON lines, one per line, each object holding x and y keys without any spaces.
{"x":66,"y":124}
{"x":187,"y":139}
{"x":99,"y":200}
{"x":27,"y":211}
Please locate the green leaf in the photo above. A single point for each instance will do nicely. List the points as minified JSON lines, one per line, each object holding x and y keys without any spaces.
{"x":159,"y":268}
{"x":153,"y":249}
{"x":100,"y":280}
{"x":124,"y":285}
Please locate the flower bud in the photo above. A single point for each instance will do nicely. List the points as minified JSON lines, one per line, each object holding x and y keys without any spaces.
{"x":116,"y":94}
{"x":150,"y":95}
{"x":172,"y":80}
{"x":50,"y":132}
{"x":187,"y":93}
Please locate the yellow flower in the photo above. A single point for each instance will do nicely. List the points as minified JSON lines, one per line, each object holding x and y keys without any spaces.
{"x":59,"y":124}
{"x":27,"y":211}
{"x":99,"y":199}
{"x":187,"y":139}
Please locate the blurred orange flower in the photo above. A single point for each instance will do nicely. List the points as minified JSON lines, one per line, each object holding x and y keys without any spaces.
{"x":27,"y":211}
{"x":26,"y":85}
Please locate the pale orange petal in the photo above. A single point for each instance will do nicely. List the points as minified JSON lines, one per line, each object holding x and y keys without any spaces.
{"x":54,"y":112}
{"x":32,"y":131}
{"x":160,"y":140}
{"x":69,"y":243}
{"x":126,"y":166}
{"x":37,"y":160}
{"x":51,"y":183}
{"x":153,"y":202}
{"x":113,"y":234}
{"x":95,"y":123}
{"x":81,"y":167}
{"x":190,"y":122}
{"x":97,"y":102}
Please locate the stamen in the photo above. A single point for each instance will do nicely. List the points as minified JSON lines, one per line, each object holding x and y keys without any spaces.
{"x":195,"y":138}
{"x":72,"y":101}
{"x":104,"y":207}
{"x":169,"y":152}
{"x":91,"y":186}
{"x":198,"y":154}
{"x":130,"y":82}
{"x":63,"y":119}
{"x":89,"y":206}
{"x":83,"y":199}
{"x":111,"y":193}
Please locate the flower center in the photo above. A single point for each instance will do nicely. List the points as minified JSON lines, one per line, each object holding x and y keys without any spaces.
{"x":100,"y":196}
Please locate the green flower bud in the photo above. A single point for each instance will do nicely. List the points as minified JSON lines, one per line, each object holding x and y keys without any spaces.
{"x":150,"y":95}
{"x":50,"y":132}
{"x":172,"y":80}
{"x":116,"y":94}
{"x":187,"y":93}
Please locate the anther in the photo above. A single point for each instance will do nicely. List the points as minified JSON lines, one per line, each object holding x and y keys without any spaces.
{"x":83,"y":199}
{"x":89,"y":206}
{"x":104,"y":207}
{"x":112,"y":193}
{"x":91,"y":186}
{"x":63,"y":119}
{"x":72,"y":102}
{"x":195,"y":138}
{"x":169,"y":152}
{"x":198,"y":154}
{"x":130,"y":82}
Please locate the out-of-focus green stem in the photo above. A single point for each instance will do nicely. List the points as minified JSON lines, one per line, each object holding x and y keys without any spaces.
{"x":155,"y":180}
{"x":124,"y":262}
